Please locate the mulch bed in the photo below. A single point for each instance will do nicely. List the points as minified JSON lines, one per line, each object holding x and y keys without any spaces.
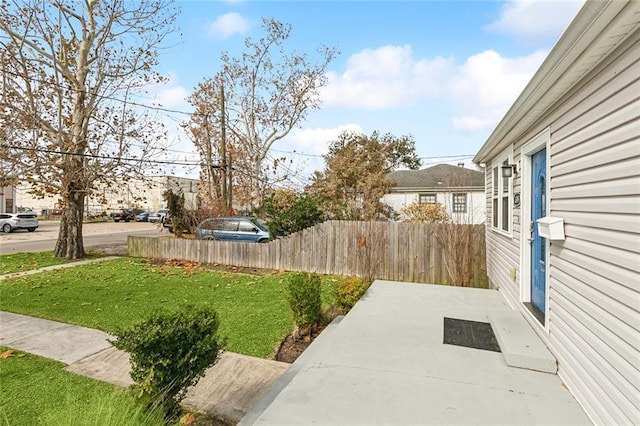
{"x":294,"y":344}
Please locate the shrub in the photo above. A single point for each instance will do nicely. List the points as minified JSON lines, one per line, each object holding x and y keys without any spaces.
{"x":348,"y":291}
{"x":304,"y":298}
{"x":170,"y":351}
{"x":287,"y":212}
{"x":426,"y":213}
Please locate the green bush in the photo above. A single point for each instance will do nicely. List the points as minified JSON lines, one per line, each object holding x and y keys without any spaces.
{"x":304,"y":298}
{"x":348,"y":291}
{"x":170,"y":351}
{"x":287,"y":212}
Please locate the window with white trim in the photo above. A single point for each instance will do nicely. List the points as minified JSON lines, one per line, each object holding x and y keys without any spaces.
{"x":427,"y":198}
{"x":501,"y":195}
{"x":459,"y":203}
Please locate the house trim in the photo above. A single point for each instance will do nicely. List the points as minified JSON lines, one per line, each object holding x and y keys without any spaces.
{"x":538,"y":142}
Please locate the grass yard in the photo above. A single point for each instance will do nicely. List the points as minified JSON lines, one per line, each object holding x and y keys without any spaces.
{"x":37,"y":391}
{"x":254,"y":314}
{"x":20,"y":262}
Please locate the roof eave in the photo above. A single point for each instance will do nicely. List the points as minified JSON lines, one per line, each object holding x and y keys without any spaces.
{"x":552,"y":74}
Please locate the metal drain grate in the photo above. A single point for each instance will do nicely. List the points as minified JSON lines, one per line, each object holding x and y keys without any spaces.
{"x":470,"y":334}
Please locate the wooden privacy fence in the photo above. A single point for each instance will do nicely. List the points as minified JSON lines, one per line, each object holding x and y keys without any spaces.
{"x":425,"y":253}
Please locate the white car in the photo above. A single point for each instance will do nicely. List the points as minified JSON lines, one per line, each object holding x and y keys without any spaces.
{"x":10,"y":222}
{"x":158,"y":216}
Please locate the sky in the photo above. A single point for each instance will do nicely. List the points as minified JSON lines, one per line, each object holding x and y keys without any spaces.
{"x":444,"y":72}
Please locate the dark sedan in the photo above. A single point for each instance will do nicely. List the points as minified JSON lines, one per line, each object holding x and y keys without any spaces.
{"x":123,"y":216}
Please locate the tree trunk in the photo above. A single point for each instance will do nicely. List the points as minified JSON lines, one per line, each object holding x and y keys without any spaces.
{"x":70,"y":244}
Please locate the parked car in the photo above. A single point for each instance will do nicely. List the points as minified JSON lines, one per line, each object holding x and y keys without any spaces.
{"x":124,"y":216}
{"x":10,"y":222}
{"x":142,"y":217}
{"x":233,"y":229}
{"x":158,"y":216}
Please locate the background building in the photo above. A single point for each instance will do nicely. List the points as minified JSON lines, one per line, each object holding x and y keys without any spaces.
{"x":145,"y":193}
{"x":459,"y":190}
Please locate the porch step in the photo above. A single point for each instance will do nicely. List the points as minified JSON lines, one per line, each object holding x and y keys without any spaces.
{"x":309,"y":355}
{"x":520,"y":345}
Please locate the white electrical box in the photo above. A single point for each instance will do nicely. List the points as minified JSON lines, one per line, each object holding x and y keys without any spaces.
{"x":551,"y":228}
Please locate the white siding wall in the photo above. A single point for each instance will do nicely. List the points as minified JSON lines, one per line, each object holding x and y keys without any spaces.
{"x":595,"y":274}
{"x":475,"y":204}
{"x":594,"y":288}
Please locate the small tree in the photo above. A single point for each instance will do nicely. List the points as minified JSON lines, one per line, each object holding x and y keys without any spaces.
{"x":177,"y":214}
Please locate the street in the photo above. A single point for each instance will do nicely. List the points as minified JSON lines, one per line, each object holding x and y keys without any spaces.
{"x":99,"y":234}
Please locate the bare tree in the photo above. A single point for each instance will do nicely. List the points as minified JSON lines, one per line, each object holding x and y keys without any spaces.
{"x":268,"y":92}
{"x":69,"y":72}
{"x":217,"y":150}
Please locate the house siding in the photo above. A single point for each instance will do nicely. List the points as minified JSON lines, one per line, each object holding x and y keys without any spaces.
{"x":594,"y":286}
{"x":594,"y":297}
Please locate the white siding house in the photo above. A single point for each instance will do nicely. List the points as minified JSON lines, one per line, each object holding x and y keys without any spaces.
{"x":572,"y":141}
{"x":459,"y":190}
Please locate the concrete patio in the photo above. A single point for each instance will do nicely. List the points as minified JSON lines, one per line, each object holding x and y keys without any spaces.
{"x":386,"y":363}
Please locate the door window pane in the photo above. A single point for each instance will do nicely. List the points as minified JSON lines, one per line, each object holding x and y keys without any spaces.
{"x":505,"y":213}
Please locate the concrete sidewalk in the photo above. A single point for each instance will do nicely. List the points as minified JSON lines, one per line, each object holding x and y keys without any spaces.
{"x":227,"y":391}
{"x":385,"y":363}
{"x":60,"y":266}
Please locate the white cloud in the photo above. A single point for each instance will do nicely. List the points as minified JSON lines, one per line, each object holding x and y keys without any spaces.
{"x":382,"y":78}
{"x":535,"y":21}
{"x":309,"y":144}
{"x":171,"y":97}
{"x":227,"y":25}
{"x":169,"y":93}
{"x":486,"y":85}
{"x":315,"y":141}
{"x":478,"y":91}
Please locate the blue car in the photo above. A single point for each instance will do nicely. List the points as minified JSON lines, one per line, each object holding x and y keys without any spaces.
{"x":142,"y":217}
{"x":233,"y":229}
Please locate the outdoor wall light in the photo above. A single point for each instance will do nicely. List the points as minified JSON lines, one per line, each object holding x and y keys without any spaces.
{"x":509,"y":170}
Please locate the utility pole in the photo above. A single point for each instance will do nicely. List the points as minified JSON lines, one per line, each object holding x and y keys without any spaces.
{"x":213,"y":192}
{"x":223,"y":149}
{"x":230,"y":175}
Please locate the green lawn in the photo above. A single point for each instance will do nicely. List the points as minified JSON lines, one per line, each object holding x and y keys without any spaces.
{"x":254,"y":315}
{"x":20,"y":262}
{"x":37,"y":391}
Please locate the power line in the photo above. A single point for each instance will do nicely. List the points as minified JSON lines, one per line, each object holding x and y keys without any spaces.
{"x":111,"y":98}
{"x":302,"y":154}
{"x":106,"y":157}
